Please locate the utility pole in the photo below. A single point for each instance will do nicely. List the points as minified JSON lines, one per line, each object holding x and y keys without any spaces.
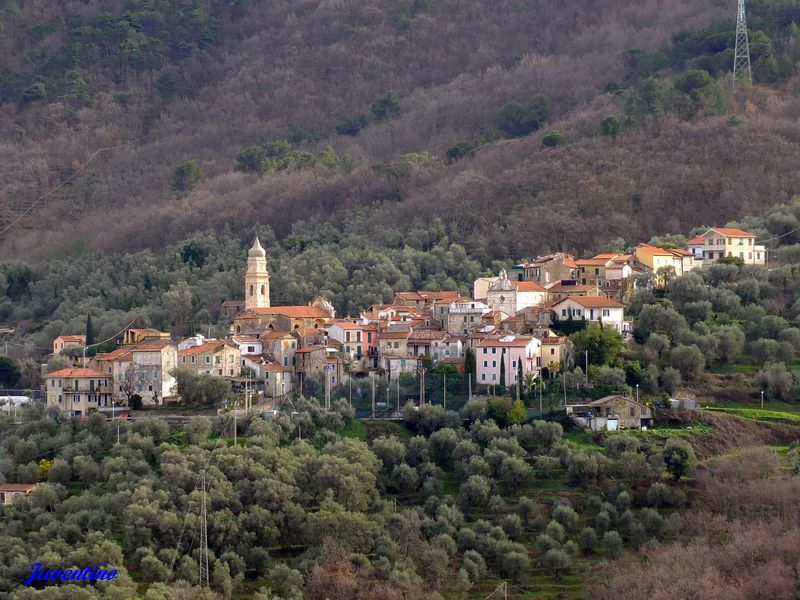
{"x":204,"y":579}
{"x":565,"y":389}
{"x":398,"y":394}
{"x":234,"y":424}
{"x":541,"y":385}
{"x":741,"y":55}
{"x":586,"y":355}
{"x":762,"y":399}
{"x":373,"y":394}
{"x":118,"y":432}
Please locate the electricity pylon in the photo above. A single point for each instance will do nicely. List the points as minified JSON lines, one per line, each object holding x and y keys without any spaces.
{"x":741,"y":55}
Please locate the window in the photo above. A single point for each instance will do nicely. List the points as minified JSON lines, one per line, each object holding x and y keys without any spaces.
{"x":397,"y":344}
{"x":347,"y":336}
{"x":552,"y":351}
{"x":358,"y":350}
{"x":369,"y":337}
{"x":494,"y":350}
{"x":483,"y":377}
{"x":251,"y":349}
{"x":193,"y":360}
{"x":606,"y":312}
{"x":486,"y":363}
{"x":485,"y":350}
{"x":514,"y":364}
{"x":633,"y":412}
{"x":494,"y":363}
{"x":597,"y":271}
{"x":494,"y":376}
{"x":251,"y":290}
{"x":563,"y":312}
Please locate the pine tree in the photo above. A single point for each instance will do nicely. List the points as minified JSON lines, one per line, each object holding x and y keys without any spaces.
{"x":519,"y":378}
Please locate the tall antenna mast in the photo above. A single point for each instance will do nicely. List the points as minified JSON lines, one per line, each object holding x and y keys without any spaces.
{"x":204,"y":579}
{"x":741,"y":56}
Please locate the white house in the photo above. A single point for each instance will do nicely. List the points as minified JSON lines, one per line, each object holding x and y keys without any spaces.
{"x":248,"y":344}
{"x":591,"y":308}
{"x":511,"y":297}
{"x":719,"y":242}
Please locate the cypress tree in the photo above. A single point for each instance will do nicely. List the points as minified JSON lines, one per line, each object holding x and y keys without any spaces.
{"x":502,"y":368}
{"x":89,"y":331}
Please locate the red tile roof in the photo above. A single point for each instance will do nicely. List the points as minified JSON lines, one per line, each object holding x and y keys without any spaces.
{"x":346,"y":325}
{"x":696,"y":241}
{"x":426,"y":295}
{"x":73,"y":338}
{"x":510,"y":341}
{"x":114,"y":355}
{"x":17,"y":487}
{"x":394,"y":334}
{"x":593,"y":302}
{"x":527,"y":286}
{"x":732,"y":232}
{"x":77,"y":372}
{"x":654,"y":250}
{"x":207,"y":347}
{"x":297,"y":312}
{"x":309,"y":349}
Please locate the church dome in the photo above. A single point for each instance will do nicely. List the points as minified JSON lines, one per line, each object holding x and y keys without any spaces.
{"x":257,"y":250}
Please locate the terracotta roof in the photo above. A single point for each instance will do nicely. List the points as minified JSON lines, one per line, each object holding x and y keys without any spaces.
{"x":426,"y":335}
{"x":149,"y":331}
{"x":298,"y":312}
{"x":346,"y":325}
{"x":554,"y":340}
{"x":732,"y":232}
{"x":591,"y":262}
{"x":275,"y":335}
{"x":394,"y":334}
{"x":308,"y":349}
{"x":207,"y":347}
{"x":527,"y":286}
{"x":72,"y":338}
{"x":276,"y":368}
{"x":593,"y":302}
{"x":17,"y":487}
{"x":114,"y":355}
{"x":654,"y":250}
{"x":77,"y":372}
{"x":696,"y":241}
{"x":244,"y":338}
{"x":150,"y":346}
{"x":681,"y":252}
{"x":306,"y":331}
{"x":510,"y":341}
{"x":570,"y":262}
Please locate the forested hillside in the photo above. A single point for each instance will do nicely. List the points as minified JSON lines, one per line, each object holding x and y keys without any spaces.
{"x":398,"y":127}
{"x":390,"y":88}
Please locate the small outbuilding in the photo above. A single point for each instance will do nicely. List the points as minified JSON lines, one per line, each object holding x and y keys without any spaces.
{"x":611,"y":413}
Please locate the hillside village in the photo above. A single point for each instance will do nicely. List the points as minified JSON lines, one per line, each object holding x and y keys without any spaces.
{"x":509,"y":327}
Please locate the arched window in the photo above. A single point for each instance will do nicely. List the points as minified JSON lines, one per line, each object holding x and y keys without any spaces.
{"x":238,"y":329}
{"x":263,"y":290}
{"x":251,"y":290}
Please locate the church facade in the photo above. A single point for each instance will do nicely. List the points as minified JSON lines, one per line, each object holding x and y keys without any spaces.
{"x":259,"y":315}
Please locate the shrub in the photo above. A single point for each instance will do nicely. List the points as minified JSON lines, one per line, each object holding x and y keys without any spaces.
{"x":517,"y":119}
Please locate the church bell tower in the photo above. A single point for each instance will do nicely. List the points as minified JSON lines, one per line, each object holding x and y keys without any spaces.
{"x":256,"y":278}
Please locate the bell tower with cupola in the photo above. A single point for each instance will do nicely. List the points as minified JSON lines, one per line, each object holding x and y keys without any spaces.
{"x":256,"y":278}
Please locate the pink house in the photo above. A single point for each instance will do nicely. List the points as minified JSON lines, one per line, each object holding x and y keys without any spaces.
{"x":512,"y":349}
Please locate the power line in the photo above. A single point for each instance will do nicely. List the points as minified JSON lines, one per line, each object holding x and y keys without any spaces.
{"x":62,"y":184}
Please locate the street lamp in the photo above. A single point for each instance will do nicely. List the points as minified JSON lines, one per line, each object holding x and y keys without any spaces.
{"x":762,"y":399}
{"x":637,"y":392}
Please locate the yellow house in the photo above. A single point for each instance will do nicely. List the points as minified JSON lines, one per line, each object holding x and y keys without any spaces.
{"x":148,"y":334}
{"x":216,"y":357}
{"x":679,"y":260}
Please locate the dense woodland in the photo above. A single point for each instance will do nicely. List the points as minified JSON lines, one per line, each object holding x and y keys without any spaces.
{"x":234,"y":113}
